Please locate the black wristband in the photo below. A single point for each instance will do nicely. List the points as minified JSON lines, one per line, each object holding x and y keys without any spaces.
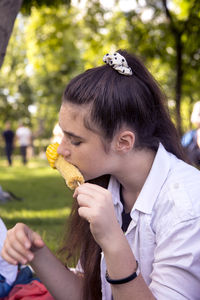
{"x":123,"y":280}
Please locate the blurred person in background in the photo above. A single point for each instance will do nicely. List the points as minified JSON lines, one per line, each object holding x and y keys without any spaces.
{"x":8,"y":136}
{"x":191,"y":139}
{"x":24,"y":137}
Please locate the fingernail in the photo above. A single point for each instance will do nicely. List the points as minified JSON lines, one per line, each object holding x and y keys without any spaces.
{"x":24,"y":261}
{"x":27,"y":245}
{"x":30,"y":256}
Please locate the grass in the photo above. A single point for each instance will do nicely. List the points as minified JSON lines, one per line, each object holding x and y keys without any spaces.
{"x":46,"y":200}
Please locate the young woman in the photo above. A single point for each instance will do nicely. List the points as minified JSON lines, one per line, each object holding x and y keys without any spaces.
{"x":135,"y":224}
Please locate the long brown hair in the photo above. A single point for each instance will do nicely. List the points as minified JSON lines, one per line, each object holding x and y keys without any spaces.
{"x":80,"y":245}
{"x":115,"y":99}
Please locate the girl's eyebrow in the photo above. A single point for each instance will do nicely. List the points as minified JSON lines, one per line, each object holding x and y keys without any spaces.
{"x":71,"y":134}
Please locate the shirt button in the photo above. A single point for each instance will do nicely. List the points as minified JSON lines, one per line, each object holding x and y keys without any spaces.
{"x":176,"y":185}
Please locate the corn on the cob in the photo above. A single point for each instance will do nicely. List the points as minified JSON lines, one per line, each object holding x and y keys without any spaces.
{"x":71,"y":174}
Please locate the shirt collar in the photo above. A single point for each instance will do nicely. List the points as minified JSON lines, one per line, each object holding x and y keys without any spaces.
{"x":152,"y":185}
{"x":154,"y":181}
{"x":114,"y":187}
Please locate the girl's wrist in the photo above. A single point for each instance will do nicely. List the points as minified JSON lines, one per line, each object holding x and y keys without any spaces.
{"x":120,"y":260}
{"x":112,"y":240}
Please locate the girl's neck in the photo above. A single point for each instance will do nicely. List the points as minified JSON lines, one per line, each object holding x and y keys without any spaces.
{"x":133,"y":174}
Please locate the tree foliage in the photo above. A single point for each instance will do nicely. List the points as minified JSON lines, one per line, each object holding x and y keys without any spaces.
{"x":8,"y":12}
{"x":27,"y":5}
{"x":57,"y":42}
{"x":15,"y":89}
{"x":166,"y":37}
{"x":54,"y":56}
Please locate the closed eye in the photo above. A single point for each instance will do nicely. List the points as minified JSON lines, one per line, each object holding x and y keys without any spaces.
{"x":74,"y":139}
{"x":76,"y":143}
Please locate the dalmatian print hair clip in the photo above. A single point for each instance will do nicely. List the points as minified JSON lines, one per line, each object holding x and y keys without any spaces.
{"x":118,"y":62}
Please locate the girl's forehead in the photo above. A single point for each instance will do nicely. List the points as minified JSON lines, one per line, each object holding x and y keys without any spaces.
{"x":73,"y":116}
{"x":72,"y":111}
{"x":78,"y":118}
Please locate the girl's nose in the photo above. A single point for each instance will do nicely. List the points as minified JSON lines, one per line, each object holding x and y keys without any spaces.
{"x":63,"y":149}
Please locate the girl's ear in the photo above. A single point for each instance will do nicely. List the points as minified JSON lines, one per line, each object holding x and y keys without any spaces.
{"x":125,"y":141}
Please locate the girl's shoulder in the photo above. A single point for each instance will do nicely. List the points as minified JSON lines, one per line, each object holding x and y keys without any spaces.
{"x":178,"y":200}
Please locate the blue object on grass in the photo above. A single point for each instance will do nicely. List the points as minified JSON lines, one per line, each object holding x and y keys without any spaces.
{"x":4,"y":287}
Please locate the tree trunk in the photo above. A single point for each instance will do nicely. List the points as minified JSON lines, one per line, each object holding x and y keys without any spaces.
{"x":177,"y":33}
{"x":179,"y":77}
{"x":8,"y":12}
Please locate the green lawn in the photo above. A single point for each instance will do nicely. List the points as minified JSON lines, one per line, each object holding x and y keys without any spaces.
{"x":46,"y":199}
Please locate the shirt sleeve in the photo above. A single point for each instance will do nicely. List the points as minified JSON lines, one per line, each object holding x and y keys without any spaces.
{"x":78,"y":270}
{"x":176,"y":267}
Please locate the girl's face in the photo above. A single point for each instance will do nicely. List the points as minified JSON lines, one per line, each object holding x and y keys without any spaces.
{"x":81,"y":146}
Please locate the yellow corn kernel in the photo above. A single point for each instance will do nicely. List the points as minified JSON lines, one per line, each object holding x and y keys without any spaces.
{"x":52,"y":154}
{"x":71,"y":174}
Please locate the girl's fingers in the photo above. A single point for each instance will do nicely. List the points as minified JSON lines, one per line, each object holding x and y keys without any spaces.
{"x":20,"y":233}
{"x":84,"y":212}
{"x":92,"y":190}
{"x":14,"y":256}
{"x":87,"y":188}
{"x":7,"y":258}
{"x":25,"y":236}
{"x":84,"y":200}
{"x":15,"y":250}
{"x":17,"y":247}
{"x":37,"y":240}
{"x":19,"y":244}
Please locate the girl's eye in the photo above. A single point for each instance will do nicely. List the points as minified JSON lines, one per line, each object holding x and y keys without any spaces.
{"x":76,"y":143}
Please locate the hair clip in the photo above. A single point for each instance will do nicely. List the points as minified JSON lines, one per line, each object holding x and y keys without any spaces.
{"x":118,"y":62}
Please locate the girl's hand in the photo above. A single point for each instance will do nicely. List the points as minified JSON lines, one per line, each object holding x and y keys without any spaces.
{"x":96,"y":206}
{"x":20,"y":244}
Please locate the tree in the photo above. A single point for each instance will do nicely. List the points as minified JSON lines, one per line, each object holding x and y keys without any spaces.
{"x":15,"y":90}
{"x":168,"y":39}
{"x":184,"y":31}
{"x":54,"y":55}
{"x":8,"y":12}
{"x":59,"y":45}
{"x":42,"y":56}
{"x":165,"y":37}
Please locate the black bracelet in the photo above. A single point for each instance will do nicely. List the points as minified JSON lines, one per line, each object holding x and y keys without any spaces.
{"x":123,"y":280}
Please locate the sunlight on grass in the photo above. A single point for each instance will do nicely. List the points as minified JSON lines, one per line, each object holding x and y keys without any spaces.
{"x":34,"y":162}
{"x":34,"y":173}
{"x":46,"y":200}
{"x":31,"y":214}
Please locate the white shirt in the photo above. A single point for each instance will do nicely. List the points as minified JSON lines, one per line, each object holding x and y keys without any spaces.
{"x":8,"y":271}
{"x":164,"y":233}
{"x":24,"y":136}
